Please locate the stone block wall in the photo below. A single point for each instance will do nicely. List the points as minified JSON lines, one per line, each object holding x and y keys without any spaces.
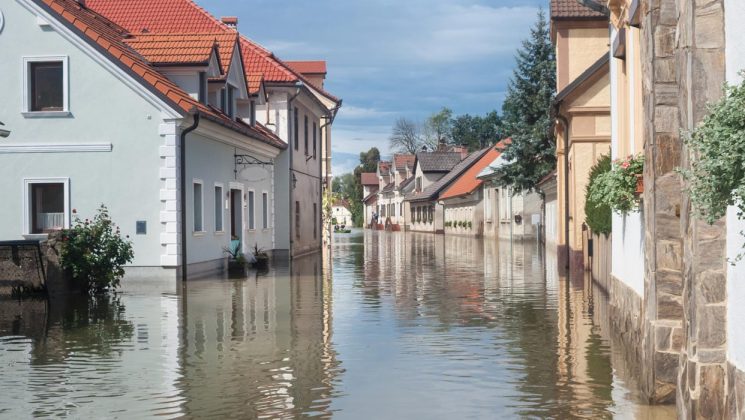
{"x":663,"y":294}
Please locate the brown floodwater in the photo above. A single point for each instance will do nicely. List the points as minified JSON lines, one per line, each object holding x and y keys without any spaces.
{"x":390,"y":325}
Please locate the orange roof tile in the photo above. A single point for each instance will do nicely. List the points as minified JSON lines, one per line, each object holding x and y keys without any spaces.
{"x":572,"y":9}
{"x":400,"y":161}
{"x":174,"y":49}
{"x":308,"y":67}
{"x":110,"y":39}
{"x":179,"y":16}
{"x":369,"y":178}
{"x":468,"y":182}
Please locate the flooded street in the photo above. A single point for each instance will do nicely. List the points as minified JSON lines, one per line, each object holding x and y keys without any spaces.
{"x":403,"y":326}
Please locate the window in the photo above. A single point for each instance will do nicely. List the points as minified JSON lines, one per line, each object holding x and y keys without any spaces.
{"x":265,"y":210}
{"x":418,"y":184}
{"x":315,"y":220}
{"x":487,"y":204}
{"x":202,"y":87}
{"x":306,"y":134}
{"x":45,"y":86}
{"x":297,"y":129}
{"x":46,"y":203}
{"x":218,"y":209}
{"x":401,"y":210}
{"x":251,"y":211}
{"x":253,"y":113}
{"x":198,"y":213}
{"x":231,"y":101}
{"x":314,"y":140}
{"x":297,"y":219}
{"x":223,"y":100}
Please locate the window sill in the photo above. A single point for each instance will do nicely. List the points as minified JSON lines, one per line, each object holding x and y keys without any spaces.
{"x":198,"y":233}
{"x":46,"y":114}
{"x":219,"y":232}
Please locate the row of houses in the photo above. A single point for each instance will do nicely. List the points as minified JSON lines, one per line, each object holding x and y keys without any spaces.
{"x":448,"y":191}
{"x":633,"y":78}
{"x":190,"y":133}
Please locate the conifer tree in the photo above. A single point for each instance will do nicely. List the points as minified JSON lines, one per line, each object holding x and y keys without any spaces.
{"x":526,"y":112}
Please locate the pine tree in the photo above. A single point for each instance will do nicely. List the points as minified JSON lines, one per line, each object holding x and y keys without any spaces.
{"x":526,"y":112}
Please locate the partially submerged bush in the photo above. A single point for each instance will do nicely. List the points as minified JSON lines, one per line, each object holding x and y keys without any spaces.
{"x":95,"y":253}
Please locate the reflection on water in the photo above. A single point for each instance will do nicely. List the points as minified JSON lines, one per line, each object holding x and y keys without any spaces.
{"x":415,"y":325}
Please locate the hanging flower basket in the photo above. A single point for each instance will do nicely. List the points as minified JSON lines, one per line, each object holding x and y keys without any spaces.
{"x":621,"y":187}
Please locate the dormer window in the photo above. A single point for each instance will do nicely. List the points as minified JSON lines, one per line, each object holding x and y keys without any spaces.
{"x":231,"y":101}
{"x":253,"y":113}
{"x":202,"y":87}
{"x":223,"y":100}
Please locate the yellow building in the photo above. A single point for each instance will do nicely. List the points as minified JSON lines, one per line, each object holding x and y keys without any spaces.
{"x":582,"y":112}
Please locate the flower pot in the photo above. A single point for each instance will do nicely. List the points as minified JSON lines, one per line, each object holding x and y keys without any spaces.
{"x":262,"y":261}
{"x":639,"y":184}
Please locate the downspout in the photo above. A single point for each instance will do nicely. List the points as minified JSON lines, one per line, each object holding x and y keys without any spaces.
{"x":291,"y":147}
{"x":182,"y":170}
{"x":565,"y":124}
{"x":329,"y":117}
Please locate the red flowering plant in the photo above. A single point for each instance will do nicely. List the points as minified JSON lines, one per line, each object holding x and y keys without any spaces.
{"x":94,"y":252}
{"x":617,"y":188}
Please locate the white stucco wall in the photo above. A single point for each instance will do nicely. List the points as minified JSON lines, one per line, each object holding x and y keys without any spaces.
{"x":628,"y":231}
{"x":103,"y":111}
{"x":735,"y":61}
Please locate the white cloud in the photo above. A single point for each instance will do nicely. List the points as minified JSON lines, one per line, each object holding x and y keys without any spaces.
{"x":354,"y":112}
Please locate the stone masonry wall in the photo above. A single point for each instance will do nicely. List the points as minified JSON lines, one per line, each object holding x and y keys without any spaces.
{"x":663,"y":302}
{"x":699,"y":55}
{"x":685,"y":280}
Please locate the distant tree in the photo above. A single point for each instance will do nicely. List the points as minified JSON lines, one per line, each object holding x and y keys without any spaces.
{"x":526,"y":112}
{"x":344,"y":186}
{"x":438,"y":128}
{"x":405,"y":136}
{"x":476,"y":132}
{"x":350,"y":185}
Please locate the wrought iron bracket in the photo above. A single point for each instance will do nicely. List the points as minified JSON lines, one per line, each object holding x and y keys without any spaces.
{"x":248,"y":160}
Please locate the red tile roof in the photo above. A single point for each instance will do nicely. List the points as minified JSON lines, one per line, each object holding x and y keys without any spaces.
{"x":400,"y":161}
{"x":308,"y":67}
{"x":369,"y":178}
{"x":384,"y":167}
{"x":468,"y":182}
{"x":184,"y":48}
{"x":179,"y":16}
{"x":109,"y":39}
{"x":572,"y":9}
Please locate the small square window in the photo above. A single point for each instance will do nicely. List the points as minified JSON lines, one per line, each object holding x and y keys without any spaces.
{"x":47,"y":92}
{"x":141,"y":227}
{"x":198,"y":207}
{"x":47,"y":207}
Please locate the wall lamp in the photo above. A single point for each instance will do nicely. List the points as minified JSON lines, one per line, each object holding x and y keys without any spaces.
{"x":3,"y":132}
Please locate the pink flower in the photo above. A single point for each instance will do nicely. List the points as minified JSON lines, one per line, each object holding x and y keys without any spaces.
{"x":625,"y":165}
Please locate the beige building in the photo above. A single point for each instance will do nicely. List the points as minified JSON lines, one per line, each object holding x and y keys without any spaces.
{"x":582,"y":110}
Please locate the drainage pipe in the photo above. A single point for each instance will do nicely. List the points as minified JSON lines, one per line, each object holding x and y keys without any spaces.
{"x":182,"y":174}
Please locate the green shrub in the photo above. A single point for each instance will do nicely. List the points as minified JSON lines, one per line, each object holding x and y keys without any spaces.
{"x":95,"y":253}
{"x":617,"y":188}
{"x":716,"y":178}
{"x":598,"y":214}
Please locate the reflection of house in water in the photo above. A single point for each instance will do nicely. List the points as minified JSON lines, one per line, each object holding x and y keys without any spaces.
{"x":274,"y":329}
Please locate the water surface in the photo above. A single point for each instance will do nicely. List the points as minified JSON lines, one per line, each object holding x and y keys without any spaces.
{"x":402,"y":326}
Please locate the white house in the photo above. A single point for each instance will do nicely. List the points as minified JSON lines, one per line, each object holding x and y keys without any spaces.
{"x":396,"y":180}
{"x":290,"y":105}
{"x":370,"y":185}
{"x":340,"y":214}
{"x":97,"y":117}
{"x":508,"y":215}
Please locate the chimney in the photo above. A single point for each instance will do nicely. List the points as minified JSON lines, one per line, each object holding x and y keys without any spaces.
{"x":230,"y":21}
{"x":463,"y":150}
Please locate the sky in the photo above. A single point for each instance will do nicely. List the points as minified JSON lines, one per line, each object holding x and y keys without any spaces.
{"x":393,"y":58}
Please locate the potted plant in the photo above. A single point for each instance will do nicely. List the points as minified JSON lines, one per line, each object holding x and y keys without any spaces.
{"x":236,"y":260}
{"x":261,"y":258}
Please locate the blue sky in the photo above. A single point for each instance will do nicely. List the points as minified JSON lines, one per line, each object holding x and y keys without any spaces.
{"x":391,"y":58}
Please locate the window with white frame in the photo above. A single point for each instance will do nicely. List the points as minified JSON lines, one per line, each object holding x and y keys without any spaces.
{"x":47,"y":205}
{"x":198,"y":207}
{"x":487,"y":204}
{"x":251,"y":211}
{"x":265,"y":210}
{"x":45,"y":86}
{"x":218,"y":209}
